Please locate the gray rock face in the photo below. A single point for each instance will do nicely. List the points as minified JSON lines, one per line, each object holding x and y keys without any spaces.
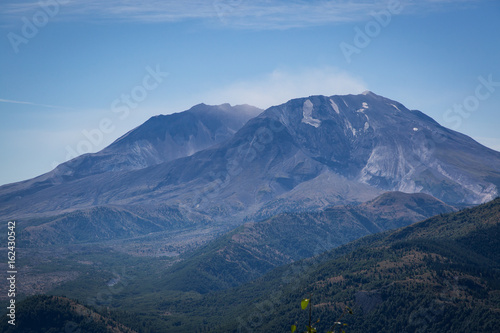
{"x":306,"y":154}
{"x":376,"y":141}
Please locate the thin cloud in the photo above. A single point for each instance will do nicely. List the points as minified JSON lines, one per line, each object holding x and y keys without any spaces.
{"x":280,"y":86}
{"x":34,"y":104}
{"x":247,"y":14}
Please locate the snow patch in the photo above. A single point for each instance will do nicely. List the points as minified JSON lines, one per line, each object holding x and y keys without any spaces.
{"x":335,"y":106}
{"x":394,"y":106}
{"x":307,"y":110}
{"x":365,"y":107}
{"x":349,"y":126}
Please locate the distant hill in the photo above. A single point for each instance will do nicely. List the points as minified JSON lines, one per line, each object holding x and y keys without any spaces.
{"x":255,"y":248}
{"x":100,"y":224}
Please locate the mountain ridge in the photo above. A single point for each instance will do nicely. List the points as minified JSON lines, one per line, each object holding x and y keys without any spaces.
{"x":306,"y":154}
{"x":255,"y":248}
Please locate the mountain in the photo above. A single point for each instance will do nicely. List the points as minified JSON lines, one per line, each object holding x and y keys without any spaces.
{"x":253,"y":249}
{"x":164,"y":138}
{"x":307,"y":154}
{"x":441,"y":274}
{"x":393,"y":210}
{"x":86,"y":225}
{"x":161,"y":139}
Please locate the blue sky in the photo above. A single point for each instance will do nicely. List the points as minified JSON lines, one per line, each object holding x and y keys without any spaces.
{"x":75,"y":75}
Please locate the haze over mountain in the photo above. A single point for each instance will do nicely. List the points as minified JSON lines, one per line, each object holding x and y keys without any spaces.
{"x":306,"y":154}
{"x":164,"y":138}
{"x":160,"y":139}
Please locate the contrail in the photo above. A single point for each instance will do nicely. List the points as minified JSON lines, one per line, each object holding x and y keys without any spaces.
{"x":35,"y":104}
